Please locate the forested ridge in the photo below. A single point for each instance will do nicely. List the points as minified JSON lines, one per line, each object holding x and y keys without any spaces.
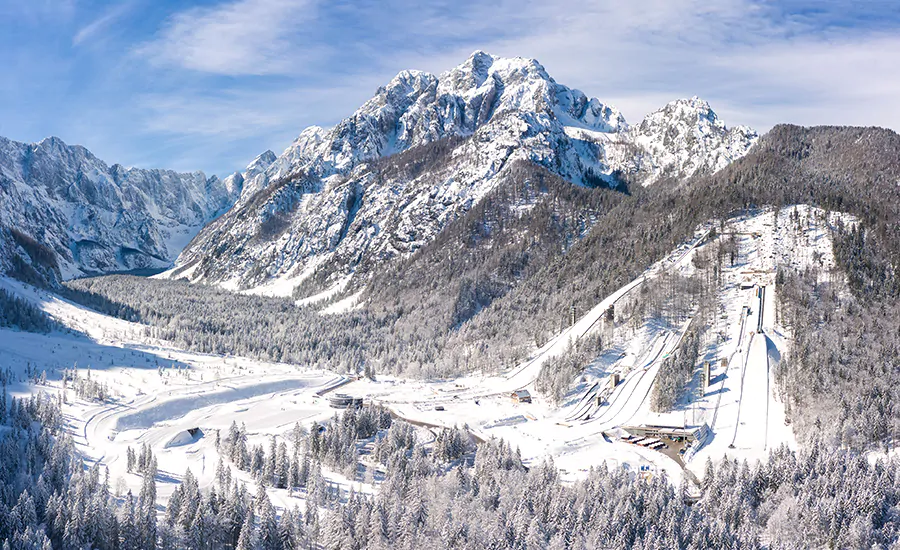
{"x":501,"y":279}
{"x":841,"y":377}
{"x":853,"y":170}
{"x":18,"y":313}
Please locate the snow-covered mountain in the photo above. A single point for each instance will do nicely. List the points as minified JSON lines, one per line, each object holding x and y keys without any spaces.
{"x":683,"y":138}
{"x":425,"y":149}
{"x":61,"y":205}
{"x":515,"y":97}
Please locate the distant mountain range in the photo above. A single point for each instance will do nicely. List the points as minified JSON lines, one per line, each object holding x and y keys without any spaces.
{"x":64,"y":213}
{"x":339,"y":202}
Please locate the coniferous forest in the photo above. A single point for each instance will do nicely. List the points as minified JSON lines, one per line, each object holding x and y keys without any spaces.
{"x":455,"y":496}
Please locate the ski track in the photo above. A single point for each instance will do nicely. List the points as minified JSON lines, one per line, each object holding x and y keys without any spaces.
{"x":636,"y":377}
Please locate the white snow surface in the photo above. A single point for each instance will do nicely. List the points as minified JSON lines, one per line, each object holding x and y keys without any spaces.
{"x":159,"y":392}
{"x":330,"y":292}
{"x":684,"y":137}
{"x":343,"y":305}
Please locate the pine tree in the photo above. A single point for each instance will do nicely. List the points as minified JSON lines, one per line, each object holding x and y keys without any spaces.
{"x":288,"y":538}
{"x":270,"y":461}
{"x":190,"y":500}
{"x":129,"y":534}
{"x":282,"y":467}
{"x":269,"y":537}
{"x":147,"y":521}
{"x":247,"y":538}
{"x":3,"y":413}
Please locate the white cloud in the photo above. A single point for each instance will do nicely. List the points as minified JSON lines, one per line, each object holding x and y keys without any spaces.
{"x":213,"y":114}
{"x":755,"y":65}
{"x":244,"y":37}
{"x":237,"y":114}
{"x":810,"y":82}
{"x":37,"y":11}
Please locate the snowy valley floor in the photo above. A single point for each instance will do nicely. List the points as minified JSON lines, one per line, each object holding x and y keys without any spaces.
{"x":158,"y":393}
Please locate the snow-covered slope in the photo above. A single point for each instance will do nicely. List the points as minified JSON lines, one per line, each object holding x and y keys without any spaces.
{"x":89,"y":217}
{"x":425,"y":149}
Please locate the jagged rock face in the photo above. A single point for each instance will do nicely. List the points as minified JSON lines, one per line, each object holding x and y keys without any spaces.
{"x":99,"y":218}
{"x":685,"y":137}
{"x":329,"y":201}
{"x":417,"y":108}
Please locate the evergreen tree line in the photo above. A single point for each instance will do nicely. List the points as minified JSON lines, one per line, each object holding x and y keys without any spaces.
{"x":840,"y":378}
{"x":30,"y":375}
{"x":226,"y":516}
{"x":48,"y":499}
{"x":17,"y":313}
{"x":334,"y":445}
{"x":822,"y":497}
{"x":85,"y":388}
{"x":819,"y":498}
{"x":676,"y":371}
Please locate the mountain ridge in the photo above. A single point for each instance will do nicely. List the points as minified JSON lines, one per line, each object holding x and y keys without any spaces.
{"x":497,"y":110}
{"x":91,"y":217}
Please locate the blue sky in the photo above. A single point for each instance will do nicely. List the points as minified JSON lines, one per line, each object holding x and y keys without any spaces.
{"x":209,"y":85}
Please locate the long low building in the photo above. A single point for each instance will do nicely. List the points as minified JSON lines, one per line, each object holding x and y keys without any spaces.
{"x":344,"y":401}
{"x":673,"y":433}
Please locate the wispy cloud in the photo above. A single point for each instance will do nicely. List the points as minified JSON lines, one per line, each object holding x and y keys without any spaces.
{"x":244,"y":37}
{"x":758,"y":63}
{"x":810,"y":81}
{"x":215,"y":85}
{"x":99,"y":24}
{"x":233,"y":126}
{"x":238,"y":113}
{"x":37,"y":11}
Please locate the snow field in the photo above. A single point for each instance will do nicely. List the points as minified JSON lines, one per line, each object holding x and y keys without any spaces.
{"x":742,"y":397}
{"x":157,"y":393}
{"x":484,"y":404}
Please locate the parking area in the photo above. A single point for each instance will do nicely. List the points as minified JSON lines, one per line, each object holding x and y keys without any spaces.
{"x":672,"y":441}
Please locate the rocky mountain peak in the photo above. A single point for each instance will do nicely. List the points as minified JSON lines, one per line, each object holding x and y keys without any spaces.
{"x":262,"y":162}
{"x":492,"y":112}
{"x":480,"y":66}
{"x":683,"y":138}
{"x":694,"y":111}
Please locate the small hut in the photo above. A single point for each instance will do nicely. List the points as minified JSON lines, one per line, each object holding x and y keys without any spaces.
{"x":521,"y":396}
